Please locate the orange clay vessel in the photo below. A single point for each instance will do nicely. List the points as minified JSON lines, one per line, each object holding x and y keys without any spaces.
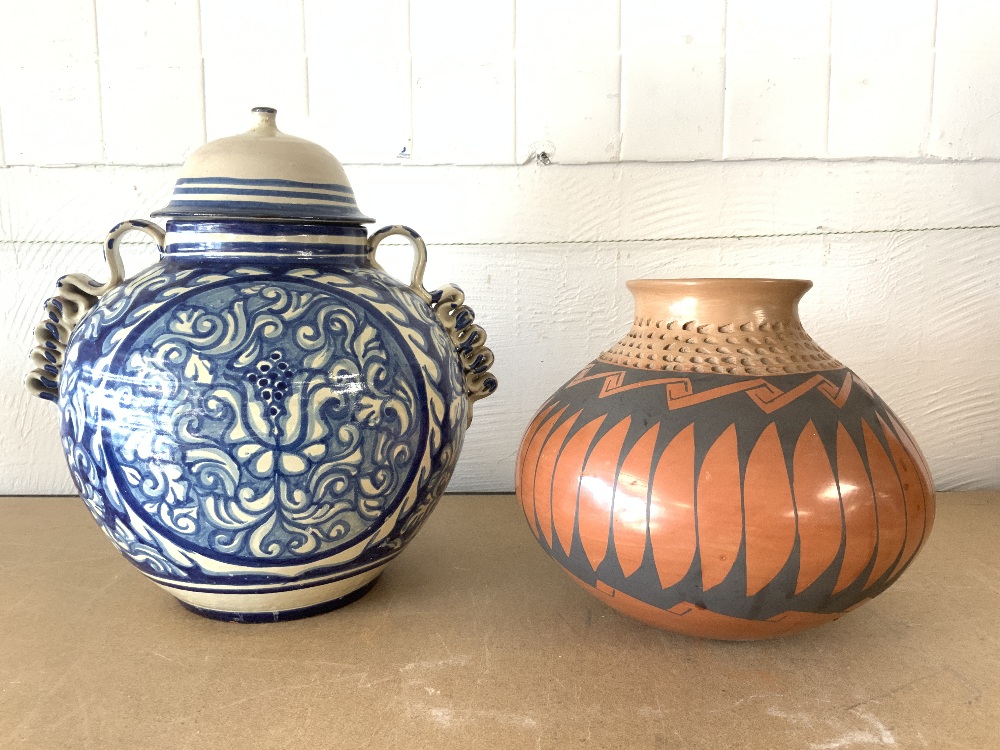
{"x":716,"y":473}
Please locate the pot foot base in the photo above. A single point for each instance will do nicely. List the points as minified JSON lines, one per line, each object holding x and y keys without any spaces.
{"x":281,"y":616}
{"x":279,"y":605}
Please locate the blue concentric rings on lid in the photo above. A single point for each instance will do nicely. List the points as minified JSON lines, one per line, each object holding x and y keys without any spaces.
{"x":262,"y":199}
{"x":264,"y":174}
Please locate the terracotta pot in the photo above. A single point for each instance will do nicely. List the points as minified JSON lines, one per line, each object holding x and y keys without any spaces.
{"x":716,"y":473}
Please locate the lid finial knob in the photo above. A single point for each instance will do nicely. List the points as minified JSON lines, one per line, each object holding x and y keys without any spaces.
{"x":265,"y":119}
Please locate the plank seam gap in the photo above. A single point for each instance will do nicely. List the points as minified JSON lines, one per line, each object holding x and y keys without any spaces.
{"x":822,"y":233}
{"x":919,"y":161}
{"x":692,"y":238}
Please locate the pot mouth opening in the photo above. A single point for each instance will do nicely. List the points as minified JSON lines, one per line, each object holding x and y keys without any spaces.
{"x":723,"y":287}
{"x":719,"y":281}
{"x":719,"y":300}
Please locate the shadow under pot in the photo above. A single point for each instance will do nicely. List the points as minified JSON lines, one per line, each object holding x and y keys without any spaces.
{"x":717,"y":474}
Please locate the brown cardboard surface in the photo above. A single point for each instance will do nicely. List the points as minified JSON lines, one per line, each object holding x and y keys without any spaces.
{"x":473,"y":638}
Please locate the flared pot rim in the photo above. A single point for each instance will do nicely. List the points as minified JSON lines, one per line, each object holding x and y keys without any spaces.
{"x":732,"y":287}
{"x":806,"y":284}
{"x":722,"y":300}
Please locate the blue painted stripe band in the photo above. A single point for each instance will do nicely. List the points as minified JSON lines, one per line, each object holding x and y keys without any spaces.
{"x":263,"y":247}
{"x":263,"y":193}
{"x":291,"y":209}
{"x":264,"y":183}
{"x":322,"y":577}
{"x":258,"y":211}
{"x":264,"y":228}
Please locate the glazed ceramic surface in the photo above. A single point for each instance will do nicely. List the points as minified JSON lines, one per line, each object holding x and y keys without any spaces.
{"x":718,"y":474}
{"x":261,"y":420}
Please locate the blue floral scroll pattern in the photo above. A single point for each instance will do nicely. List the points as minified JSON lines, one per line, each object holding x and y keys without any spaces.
{"x":252,"y":418}
{"x":249,"y":455}
{"x":88,"y":352}
{"x":436,"y":355}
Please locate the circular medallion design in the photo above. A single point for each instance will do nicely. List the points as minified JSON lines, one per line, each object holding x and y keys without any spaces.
{"x":263,"y":421}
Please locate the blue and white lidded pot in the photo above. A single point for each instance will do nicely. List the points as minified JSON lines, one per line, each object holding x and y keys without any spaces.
{"x":261,"y":420}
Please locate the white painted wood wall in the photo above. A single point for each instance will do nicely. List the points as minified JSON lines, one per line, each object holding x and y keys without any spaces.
{"x":853,"y":142}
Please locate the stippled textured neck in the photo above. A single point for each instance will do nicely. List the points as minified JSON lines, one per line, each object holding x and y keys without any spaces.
{"x":769,"y":348}
{"x":725,"y":326}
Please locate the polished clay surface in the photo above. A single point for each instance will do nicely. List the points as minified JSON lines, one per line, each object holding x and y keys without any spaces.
{"x":719,"y":474}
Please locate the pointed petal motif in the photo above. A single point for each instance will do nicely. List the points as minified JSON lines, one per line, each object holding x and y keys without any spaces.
{"x":718,"y":504}
{"x":671,"y":510}
{"x":597,"y":489}
{"x":529,"y":435}
{"x":911,"y":445}
{"x":769,"y":511}
{"x":817,"y":506}
{"x":566,"y":481}
{"x":542,"y":494}
{"x":858,"y":499}
{"x":529,"y":464}
{"x":924,"y":470}
{"x":914,"y":495}
{"x":889,"y":505}
{"x":631,"y":502}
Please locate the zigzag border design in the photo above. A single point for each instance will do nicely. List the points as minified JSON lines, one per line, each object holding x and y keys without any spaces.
{"x":764,"y":394}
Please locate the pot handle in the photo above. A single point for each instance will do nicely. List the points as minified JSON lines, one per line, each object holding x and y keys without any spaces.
{"x":448,"y":306}
{"x":76,"y":294}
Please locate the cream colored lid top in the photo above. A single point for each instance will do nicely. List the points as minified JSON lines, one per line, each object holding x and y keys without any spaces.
{"x":266,"y":174}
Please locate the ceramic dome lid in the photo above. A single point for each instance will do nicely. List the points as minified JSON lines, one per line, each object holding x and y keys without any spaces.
{"x":264,"y":174}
